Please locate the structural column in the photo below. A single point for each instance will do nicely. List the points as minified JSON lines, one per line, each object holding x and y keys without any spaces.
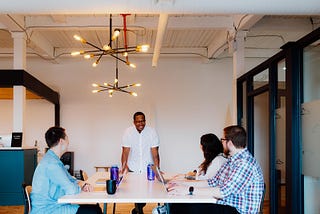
{"x":19,"y":91}
{"x":238,"y":69}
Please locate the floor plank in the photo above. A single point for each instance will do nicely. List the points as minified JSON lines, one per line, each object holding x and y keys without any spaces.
{"x":121,"y":208}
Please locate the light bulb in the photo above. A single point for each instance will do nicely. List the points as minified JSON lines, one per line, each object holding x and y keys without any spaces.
{"x":87,"y":56}
{"x":95,"y":85}
{"x":95,"y":91}
{"x":79,"y":38}
{"x":76,"y":37}
{"x":131,"y":65}
{"x":76,"y":53}
{"x":95,"y":64}
{"x":125,"y":54}
{"x":116,"y":33}
{"x":106,"y":47}
{"x":137,"y":84}
{"x":116,"y":80}
{"x":134,"y":94}
{"x":142,"y":48}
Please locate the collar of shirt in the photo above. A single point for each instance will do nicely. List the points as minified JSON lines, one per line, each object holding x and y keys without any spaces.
{"x":239,"y":155}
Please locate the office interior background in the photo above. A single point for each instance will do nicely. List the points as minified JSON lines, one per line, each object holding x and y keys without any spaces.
{"x":184,"y":96}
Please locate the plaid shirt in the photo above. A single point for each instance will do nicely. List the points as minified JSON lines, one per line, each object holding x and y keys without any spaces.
{"x":241,"y":183}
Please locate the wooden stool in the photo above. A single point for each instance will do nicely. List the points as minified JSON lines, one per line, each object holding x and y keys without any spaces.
{"x":106,"y":168}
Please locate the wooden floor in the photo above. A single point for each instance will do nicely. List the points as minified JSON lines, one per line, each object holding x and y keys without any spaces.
{"x":120,"y":209}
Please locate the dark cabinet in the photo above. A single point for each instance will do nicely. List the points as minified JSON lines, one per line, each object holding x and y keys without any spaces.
{"x":16,"y":166}
{"x":67,"y":159}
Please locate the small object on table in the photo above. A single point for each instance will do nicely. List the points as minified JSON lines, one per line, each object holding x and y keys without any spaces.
{"x":191,"y":189}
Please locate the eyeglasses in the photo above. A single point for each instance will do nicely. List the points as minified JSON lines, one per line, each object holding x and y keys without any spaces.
{"x":223,"y":139}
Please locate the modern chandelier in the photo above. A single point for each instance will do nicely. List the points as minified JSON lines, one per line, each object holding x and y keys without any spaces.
{"x":115,"y":86}
{"x":107,"y":49}
{"x":114,"y":52}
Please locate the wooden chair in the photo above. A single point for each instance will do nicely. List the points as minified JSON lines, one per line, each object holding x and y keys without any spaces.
{"x":27,"y":200}
{"x":83,"y":175}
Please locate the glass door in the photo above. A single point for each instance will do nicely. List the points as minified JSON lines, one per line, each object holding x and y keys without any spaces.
{"x":310,"y":118}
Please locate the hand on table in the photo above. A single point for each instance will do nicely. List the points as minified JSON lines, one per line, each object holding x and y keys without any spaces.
{"x":87,"y":187}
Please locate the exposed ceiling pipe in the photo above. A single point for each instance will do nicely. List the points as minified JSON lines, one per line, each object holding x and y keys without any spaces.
{"x":162,"y":26}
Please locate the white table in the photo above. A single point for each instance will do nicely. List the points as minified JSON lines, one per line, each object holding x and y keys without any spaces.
{"x":134,"y":188}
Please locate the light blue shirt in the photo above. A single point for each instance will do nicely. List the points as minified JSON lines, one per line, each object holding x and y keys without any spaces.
{"x":51,"y":181}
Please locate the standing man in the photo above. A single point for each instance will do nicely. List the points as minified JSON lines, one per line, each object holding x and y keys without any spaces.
{"x":238,"y":186}
{"x":140,"y":147}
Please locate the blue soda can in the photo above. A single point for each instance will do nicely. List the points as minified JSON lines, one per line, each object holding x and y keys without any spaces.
{"x":114,"y":173}
{"x":150,"y":172}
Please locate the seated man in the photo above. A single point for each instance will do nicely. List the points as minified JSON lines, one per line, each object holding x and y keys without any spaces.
{"x":51,"y":180}
{"x":238,"y":185}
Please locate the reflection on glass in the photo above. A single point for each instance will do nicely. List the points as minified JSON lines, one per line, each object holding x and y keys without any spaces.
{"x":261,"y":79}
{"x":244,"y":107}
{"x":261,"y":135}
{"x":281,"y":138}
{"x":282,"y":75}
{"x":311,"y":127}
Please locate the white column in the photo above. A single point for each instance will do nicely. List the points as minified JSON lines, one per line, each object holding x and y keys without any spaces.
{"x":19,"y":50}
{"x":19,"y":103}
{"x":19,"y":92}
{"x":238,"y":69}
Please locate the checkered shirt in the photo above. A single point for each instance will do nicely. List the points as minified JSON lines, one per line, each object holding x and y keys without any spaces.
{"x":241,"y":182}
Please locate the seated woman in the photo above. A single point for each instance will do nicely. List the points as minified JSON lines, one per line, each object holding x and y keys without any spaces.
{"x":51,"y":180}
{"x":213,"y":158}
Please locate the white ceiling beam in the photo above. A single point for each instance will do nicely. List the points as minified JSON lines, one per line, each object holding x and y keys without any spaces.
{"x":40,"y":45}
{"x":292,"y":7}
{"x":58,"y":18}
{"x":13,"y":23}
{"x":16,"y":23}
{"x":162,"y":26}
{"x":222,"y":40}
{"x":219,"y":44}
{"x":150,"y":22}
{"x":245,"y":22}
{"x":283,"y":24}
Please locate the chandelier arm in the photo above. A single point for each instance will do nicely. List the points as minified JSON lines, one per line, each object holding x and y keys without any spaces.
{"x":129,"y":49}
{"x":92,"y":45}
{"x":118,"y":58}
{"x":128,"y":92}
{"x":127,"y":86}
{"x":100,"y":90}
{"x":105,"y":87}
{"x":91,"y":51}
{"x":98,"y":60}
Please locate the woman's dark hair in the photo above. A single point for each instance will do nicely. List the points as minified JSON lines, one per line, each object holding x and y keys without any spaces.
{"x":211,"y":147}
{"x":53,"y":135}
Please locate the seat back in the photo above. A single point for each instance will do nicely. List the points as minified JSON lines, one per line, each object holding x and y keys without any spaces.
{"x":83,"y":175}
{"x":27,"y":201}
{"x":262,"y":198}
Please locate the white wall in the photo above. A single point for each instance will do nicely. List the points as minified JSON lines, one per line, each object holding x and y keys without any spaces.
{"x":183,"y":98}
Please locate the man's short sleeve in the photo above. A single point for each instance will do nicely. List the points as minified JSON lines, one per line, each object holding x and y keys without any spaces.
{"x":127,"y":137}
{"x":155,"y":142}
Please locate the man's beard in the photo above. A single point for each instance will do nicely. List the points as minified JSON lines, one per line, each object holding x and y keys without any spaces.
{"x":226,"y":151}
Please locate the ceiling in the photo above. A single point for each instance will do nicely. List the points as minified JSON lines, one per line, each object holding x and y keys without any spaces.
{"x":206,"y":29}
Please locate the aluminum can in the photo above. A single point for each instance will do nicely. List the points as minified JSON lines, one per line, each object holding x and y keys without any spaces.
{"x":150,"y":172}
{"x":114,"y":173}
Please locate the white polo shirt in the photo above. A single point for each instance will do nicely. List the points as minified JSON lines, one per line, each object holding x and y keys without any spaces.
{"x":140,"y":147}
